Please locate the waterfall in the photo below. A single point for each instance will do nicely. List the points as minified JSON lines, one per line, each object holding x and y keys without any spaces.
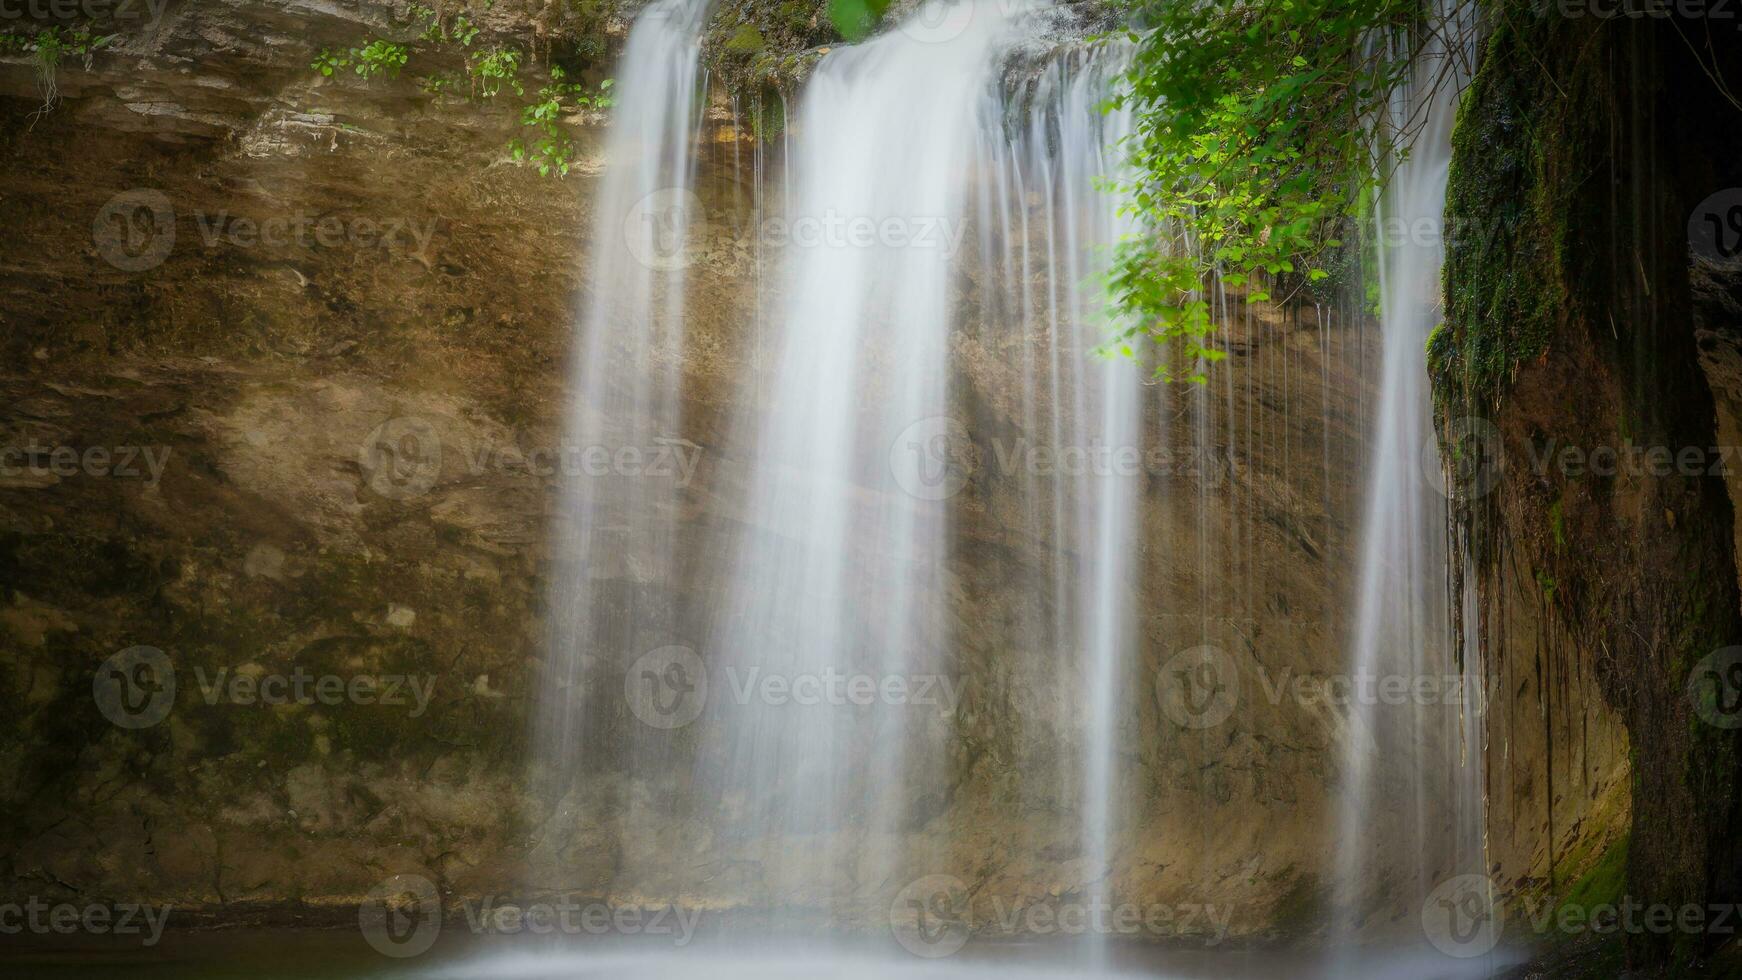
{"x":615,"y":554}
{"x":842,"y":465}
{"x":1051,"y":144}
{"x":937,"y":198}
{"x":1428,"y":779}
{"x":860,"y":450}
{"x":838,"y":568}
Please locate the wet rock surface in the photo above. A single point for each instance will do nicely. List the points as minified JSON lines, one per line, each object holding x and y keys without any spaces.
{"x":350,"y":369}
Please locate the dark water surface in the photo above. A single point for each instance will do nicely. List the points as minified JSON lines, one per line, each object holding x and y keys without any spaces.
{"x":342,"y":954}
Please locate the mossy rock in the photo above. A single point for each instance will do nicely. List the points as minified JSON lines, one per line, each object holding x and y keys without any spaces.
{"x":746,"y":40}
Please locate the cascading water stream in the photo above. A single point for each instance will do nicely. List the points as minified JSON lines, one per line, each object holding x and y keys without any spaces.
{"x":836,"y":564}
{"x":842,"y":566}
{"x":838,"y":567}
{"x":1415,"y":755}
{"x":1061,"y":147}
{"x":626,"y":395}
{"x":836,"y":558}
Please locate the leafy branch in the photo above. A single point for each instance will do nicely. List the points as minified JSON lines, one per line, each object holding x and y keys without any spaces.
{"x":552,"y":150}
{"x":378,"y":57}
{"x":1258,"y":135}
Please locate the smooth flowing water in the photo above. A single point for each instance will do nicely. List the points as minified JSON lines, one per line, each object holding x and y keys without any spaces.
{"x":940,"y":184}
{"x":1411,"y":810}
{"x":1050,"y":226}
{"x":627,"y":396}
{"x":968,"y":147}
{"x":838,"y":568}
{"x":834,"y":557}
{"x":834,"y":564}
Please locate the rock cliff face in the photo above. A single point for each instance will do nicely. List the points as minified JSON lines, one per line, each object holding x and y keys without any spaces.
{"x":225,"y":262}
{"x":336,"y":385}
{"x":1587,"y":368}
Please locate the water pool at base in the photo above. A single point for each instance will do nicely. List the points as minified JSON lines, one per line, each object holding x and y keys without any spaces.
{"x":341,"y":954}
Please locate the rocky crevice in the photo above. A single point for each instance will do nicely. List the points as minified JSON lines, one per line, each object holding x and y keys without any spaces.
{"x":1571,"y":327}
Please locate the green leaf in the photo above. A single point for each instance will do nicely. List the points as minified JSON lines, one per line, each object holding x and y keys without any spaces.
{"x":854,"y":19}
